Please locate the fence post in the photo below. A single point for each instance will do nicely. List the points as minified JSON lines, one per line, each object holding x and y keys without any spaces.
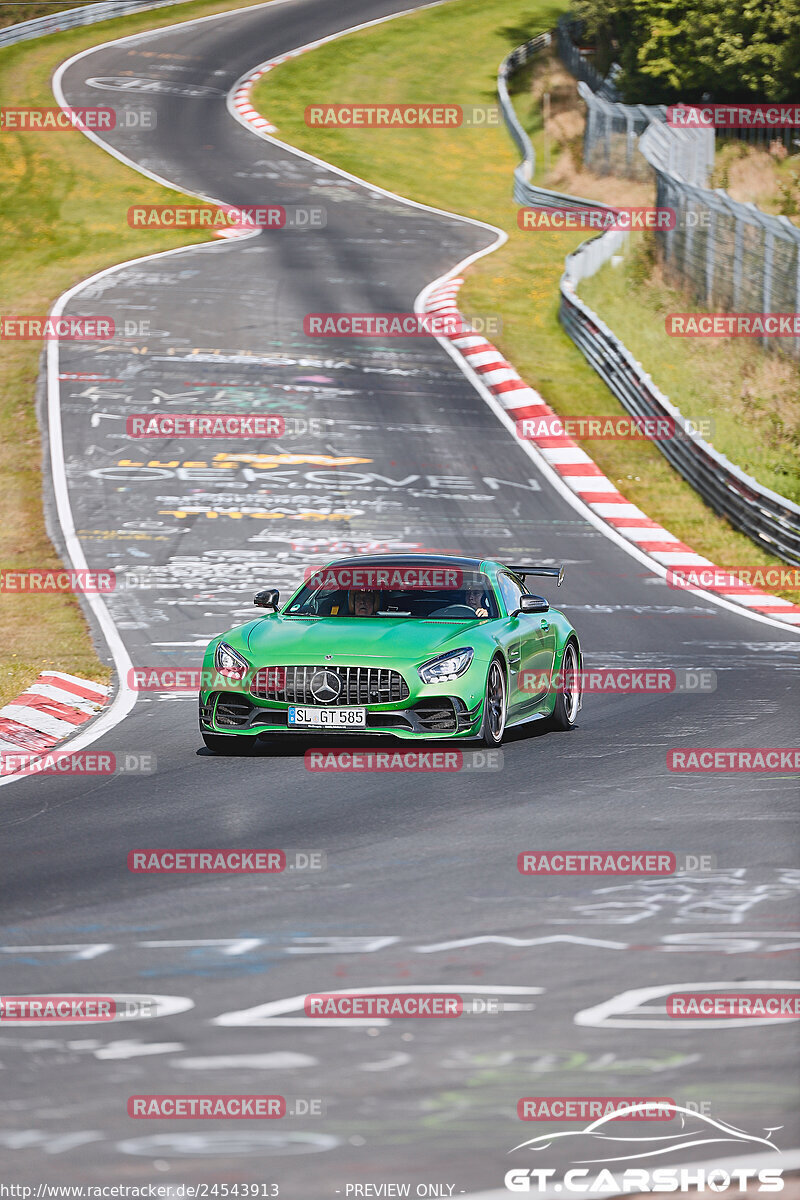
{"x":711,"y":243}
{"x":590,"y":133}
{"x":629,"y":135}
{"x":669,"y":236}
{"x":766,"y":295}
{"x":737,"y":261}
{"x":688,"y":239}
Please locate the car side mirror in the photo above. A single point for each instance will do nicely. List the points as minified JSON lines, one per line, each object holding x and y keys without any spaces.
{"x":267,"y":599}
{"x":533,"y":604}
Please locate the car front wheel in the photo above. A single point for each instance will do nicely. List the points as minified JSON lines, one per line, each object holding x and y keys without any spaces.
{"x":495,"y":705}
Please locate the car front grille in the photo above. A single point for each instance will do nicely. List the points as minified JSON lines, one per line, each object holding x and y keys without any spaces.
{"x":359,"y":685}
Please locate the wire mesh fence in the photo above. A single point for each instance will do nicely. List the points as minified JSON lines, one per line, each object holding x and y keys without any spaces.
{"x":788,"y":137}
{"x":611,"y":141}
{"x":611,"y":135}
{"x":576,"y":61}
{"x":728,"y":255}
{"x":731,"y":257}
{"x":772,"y":521}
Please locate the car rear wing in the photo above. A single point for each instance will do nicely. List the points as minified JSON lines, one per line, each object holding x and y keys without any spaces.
{"x":556,"y":573}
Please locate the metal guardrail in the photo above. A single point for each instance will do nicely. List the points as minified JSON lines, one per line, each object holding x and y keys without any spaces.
{"x":729,"y":255}
{"x":90,"y":14}
{"x":770,"y":520}
{"x":525,"y":191}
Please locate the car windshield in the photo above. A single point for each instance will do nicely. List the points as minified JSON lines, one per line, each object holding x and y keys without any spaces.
{"x":421,"y":596}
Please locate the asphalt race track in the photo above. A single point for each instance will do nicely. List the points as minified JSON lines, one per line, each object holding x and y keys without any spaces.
{"x":420,"y":885}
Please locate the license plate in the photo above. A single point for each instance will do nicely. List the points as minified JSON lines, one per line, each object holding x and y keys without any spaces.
{"x":333,"y":718}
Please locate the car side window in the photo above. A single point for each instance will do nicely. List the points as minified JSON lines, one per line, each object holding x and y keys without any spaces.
{"x":510,"y":591}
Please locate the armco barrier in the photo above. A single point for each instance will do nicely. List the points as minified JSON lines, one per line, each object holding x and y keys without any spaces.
{"x":772,"y":521}
{"x":525,"y":192}
{"x":731,"y":256}
{"x":73,"y":17}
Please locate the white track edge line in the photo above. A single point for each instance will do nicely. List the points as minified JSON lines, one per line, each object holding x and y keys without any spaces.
{"x":581,"y":506}
{"x":534,"y":454}
{"x":124,"y":699}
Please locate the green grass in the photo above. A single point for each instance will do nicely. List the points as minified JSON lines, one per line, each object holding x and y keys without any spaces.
{"x":751,"y":397}
{"x":451,"y":54}
{"x":63,"y":218}
{"x":754,"y":174}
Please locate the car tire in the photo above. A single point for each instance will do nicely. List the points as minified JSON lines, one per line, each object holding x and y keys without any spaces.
{"x":222,"y":743}
{"x":495,"y":705}
{"x":568,"y":695}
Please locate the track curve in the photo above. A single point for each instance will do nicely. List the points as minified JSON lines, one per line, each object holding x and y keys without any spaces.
{"x":421,"y":885}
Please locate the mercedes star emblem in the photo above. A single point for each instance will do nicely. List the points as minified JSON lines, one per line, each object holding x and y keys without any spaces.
{"x":326,"y":686}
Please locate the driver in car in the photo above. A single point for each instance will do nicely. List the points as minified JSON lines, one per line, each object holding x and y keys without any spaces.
{"x":474,"y":597}
{"x":363,"y":603}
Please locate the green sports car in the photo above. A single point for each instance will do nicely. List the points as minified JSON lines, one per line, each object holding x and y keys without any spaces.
{"x":415,"y":646}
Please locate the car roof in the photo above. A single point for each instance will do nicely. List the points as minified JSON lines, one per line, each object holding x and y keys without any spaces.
{"x":410,"y":560}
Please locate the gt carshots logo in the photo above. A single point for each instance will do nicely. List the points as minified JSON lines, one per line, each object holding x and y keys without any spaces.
{"x":639,"y":1179}
{"x":618,"y":1146}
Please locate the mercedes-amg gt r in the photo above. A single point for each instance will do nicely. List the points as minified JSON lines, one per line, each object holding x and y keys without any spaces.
{"x":414,"y":646}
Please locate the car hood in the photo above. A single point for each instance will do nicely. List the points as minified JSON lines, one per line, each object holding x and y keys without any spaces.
{"x":295,"y":640}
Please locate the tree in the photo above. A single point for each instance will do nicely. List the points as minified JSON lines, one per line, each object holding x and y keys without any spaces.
{"x":671,"y":51}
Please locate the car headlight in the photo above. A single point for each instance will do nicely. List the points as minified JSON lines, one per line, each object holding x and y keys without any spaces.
{"x":228,"y":663}
{"x":446,"y":666}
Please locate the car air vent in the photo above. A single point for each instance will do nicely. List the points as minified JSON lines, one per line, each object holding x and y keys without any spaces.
{"x":232,"y":710}
{"x":207,"y":709}
{"x":439,"y":718}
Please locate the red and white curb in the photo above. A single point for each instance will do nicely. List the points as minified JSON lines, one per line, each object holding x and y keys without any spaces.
{"x":52,"y":708}
{"x":573,"y":465}
{"x":243,"y":107}
{"x":240,"y":98}
{"x":582,"y":475}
